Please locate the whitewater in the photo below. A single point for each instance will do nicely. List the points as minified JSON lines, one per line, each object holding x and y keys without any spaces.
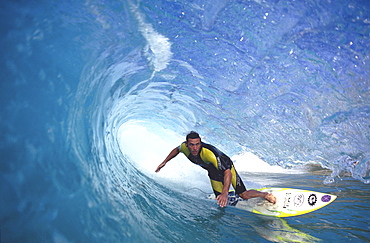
{"x":95,"y":94}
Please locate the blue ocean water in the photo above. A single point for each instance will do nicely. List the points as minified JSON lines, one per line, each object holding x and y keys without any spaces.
{"x":95,"y":94}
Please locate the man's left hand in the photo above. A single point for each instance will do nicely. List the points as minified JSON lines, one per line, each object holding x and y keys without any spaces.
{"x":222,"y":200}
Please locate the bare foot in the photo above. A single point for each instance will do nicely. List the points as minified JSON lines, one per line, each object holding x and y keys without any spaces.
{"x":271,"y":198}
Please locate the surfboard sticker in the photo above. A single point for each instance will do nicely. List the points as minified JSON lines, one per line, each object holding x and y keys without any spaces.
{"x":289,"y":202}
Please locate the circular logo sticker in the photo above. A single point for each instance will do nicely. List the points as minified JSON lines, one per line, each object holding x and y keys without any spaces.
{"x":312,"y":199}
{"x":298,"y":200}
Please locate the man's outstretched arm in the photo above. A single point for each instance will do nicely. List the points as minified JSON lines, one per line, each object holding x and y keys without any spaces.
{"x":172,"y":155}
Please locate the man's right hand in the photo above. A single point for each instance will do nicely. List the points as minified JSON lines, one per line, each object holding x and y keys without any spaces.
{"x":160,"y":166}
{"x":172,"y":155}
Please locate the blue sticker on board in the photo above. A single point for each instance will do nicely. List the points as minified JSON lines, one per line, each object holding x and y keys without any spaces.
{"x":326,"y":198}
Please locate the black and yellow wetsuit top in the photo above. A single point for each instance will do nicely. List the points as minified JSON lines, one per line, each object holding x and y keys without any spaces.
{"x":215,"y":162}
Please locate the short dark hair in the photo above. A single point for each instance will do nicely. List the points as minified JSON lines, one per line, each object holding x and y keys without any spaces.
{"x":192,"y":135}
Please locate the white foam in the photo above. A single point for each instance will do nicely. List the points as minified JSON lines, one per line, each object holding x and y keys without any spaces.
{"x":248,"y":162}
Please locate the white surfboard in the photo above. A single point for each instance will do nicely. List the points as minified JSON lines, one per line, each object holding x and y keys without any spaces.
{"x":289,"y":202}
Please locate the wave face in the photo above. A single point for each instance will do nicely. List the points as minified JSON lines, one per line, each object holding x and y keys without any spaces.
{"x":96,"y":93}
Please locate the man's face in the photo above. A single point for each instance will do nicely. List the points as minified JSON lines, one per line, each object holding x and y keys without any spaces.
{"x":194,"y":146}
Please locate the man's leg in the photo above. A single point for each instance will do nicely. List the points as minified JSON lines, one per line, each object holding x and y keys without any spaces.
{"x":247,"y":194}
{"x":217,"y":187}
{"x":253,"y":193}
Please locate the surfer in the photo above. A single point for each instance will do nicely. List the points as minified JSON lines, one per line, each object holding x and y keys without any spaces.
{"x":220,"y":169}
